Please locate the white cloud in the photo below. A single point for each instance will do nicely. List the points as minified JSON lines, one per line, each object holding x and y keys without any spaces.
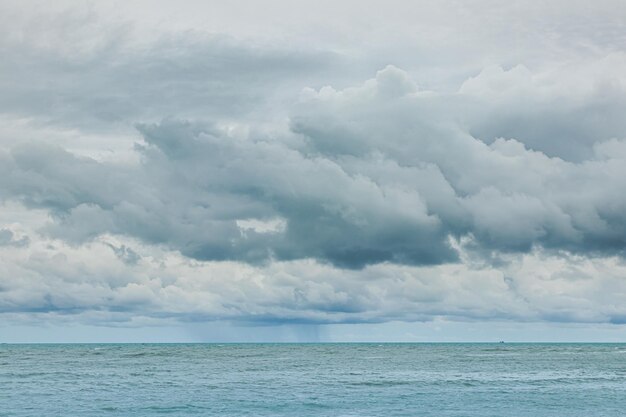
{"x":91,"y":284}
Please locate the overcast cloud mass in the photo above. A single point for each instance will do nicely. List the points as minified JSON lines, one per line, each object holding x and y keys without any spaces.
{"x":368,"y":162}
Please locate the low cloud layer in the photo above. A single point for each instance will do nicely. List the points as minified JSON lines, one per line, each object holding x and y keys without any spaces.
{"x":270,"y":183}
{"x":97,"y":283}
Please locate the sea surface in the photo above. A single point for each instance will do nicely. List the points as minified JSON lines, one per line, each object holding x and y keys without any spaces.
{"x":313,"y":380}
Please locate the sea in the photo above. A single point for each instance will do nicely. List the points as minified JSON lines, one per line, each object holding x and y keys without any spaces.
{"x":456,"y":379}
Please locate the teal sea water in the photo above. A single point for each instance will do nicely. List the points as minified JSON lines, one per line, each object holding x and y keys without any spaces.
{"x":313,"y":380}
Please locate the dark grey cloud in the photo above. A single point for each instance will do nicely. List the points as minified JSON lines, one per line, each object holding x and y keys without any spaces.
{"x":126,"y":254}
{"x":377,"y":173}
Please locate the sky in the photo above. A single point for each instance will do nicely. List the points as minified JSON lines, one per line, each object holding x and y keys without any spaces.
{"x":312,"y":171}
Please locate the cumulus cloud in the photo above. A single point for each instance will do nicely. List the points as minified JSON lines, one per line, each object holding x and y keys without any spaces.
{"x":265,"y":182}
{"x":369,"y":174}
{"x":561,"y":112}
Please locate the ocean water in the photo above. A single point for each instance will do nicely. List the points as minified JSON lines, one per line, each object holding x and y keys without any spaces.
{"x":313,"y":380}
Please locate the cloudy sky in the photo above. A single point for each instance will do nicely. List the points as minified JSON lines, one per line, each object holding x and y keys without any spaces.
{"x":312,"y":171}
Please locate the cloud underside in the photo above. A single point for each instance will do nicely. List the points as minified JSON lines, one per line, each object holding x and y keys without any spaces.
{"x":250,"y":191}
